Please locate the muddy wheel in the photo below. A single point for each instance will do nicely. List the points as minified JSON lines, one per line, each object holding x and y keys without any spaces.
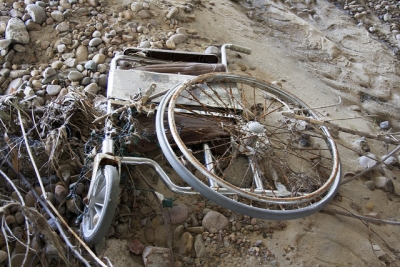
{"x":260,"y":163}
{"x":100,"y":209}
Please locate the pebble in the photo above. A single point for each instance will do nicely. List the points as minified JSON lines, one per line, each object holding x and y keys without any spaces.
{"x":370,"y":185}
{"x":149,"y":235}
{"x":95,"y":41}
{"x":75,"y":205}
{"x":90,"y":65}
{"x":36,"y":12}
{"x":57,"y":16}
{"x":75,"y":76}
{"x":99,"y":58}
{"x":170,"y":44}
{"x":178,"y":38}
{"x":157,"y":256}
{"x":29,"y":198}
{"x":53,"y":89}
{"x":186,"y":243}
{"x":3,"y":256}
{"x":384,"y":183}
{"x":91,"y":88}
{"x":214,"y":219}
{"x":60,"y":193}
{"x":177,"y":214}
{"x":384,"y":125}
{"x":62,"y":27}
{"x":135,"y":246}
{"x":368,"y":160}
{"x":200,"y":247}
{"x":16,"y":31}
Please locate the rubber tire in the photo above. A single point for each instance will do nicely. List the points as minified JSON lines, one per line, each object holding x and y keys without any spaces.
{"x":110,"y":177}
{"x":223,"y":200}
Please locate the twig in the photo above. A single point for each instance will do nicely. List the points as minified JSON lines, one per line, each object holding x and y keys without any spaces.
{"x":357,"y":216}
{"x":340,"y":128}
{"x":73,"y":248}
{"x":328,"y":106}
{"x":358,"y":175}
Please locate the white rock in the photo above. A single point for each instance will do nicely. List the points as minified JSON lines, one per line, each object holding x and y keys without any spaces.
{"x":57,"y":16}
{"x":92,"y":88}
{"x":170,"y":44}
{"x":53,"y":89}
{"x":368,"y":160}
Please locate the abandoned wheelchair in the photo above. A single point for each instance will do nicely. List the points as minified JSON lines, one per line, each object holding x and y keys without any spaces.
{"x":224,"y":134}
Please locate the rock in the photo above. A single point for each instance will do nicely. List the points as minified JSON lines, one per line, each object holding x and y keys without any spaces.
{"x":91,"y":65}
{"x":19,"y":48}
{"x":178,"y":38}
{"x":57,"y":16}
{"x":122,"y":230}
{"x":199,"y":246}
{"x":61,"y":48}
{"x":32,"y":26}
{"x":75,"y":76}
{"x":75,"y":204}
{"x":53,"y":89}
{"x":13,"y":86}
{"x":99,"y":58}
{"x":49,"y":72}
{"x":149,"y":234}
{"x":196,"y":230}
{"x":30,"y":199}
{"x":181,"y":31}
{"x":389,"y":160}
{"x":4,"y":43}
{"x":144,"y":44}
{"x":93,"y":3}
{"x":3,"y":256}
{"x":60,"y":192}
{"x":177,"y":214}
{"x":384,"y":125}
{"x":214,"y":219}
{"x":172,"y":12}
{"x":56,"y":65}
{"x":136,"y":247}
{"x":144,"y":14}
{"x":384,"y":183}
{"x":15,"y":74}
{"x":368,"y":160}
{"x":36,"y":12}
{"x":70,"y":62}
{"x":157,"y":257}
{"x":186,"y":243}
{"x":10,"y":219}
{"x":16,"y":31}
{"x":95,"y":41}
{"x":51,"y":251}
{"x":62,"y":27}
{"x":179,"y":230}
{"x":3,"y":26}
{"x":170,"y":44}
{"x":370,"y":185}
{"x":91,"y":88}
{"x":212,"y":50}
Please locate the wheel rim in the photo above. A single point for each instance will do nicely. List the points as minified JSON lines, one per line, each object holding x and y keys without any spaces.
{"x":273,"y":137}
{"x":94,"y":209}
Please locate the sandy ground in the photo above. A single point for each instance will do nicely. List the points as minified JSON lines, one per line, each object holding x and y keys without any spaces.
{"x":320,"y":54}
{"x":321,"y":59}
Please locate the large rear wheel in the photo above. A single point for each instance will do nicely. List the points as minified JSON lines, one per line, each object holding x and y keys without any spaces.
{"x":262,"y":163}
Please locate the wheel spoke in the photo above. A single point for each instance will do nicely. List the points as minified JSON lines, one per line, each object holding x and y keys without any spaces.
{"x":290,"y":164}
